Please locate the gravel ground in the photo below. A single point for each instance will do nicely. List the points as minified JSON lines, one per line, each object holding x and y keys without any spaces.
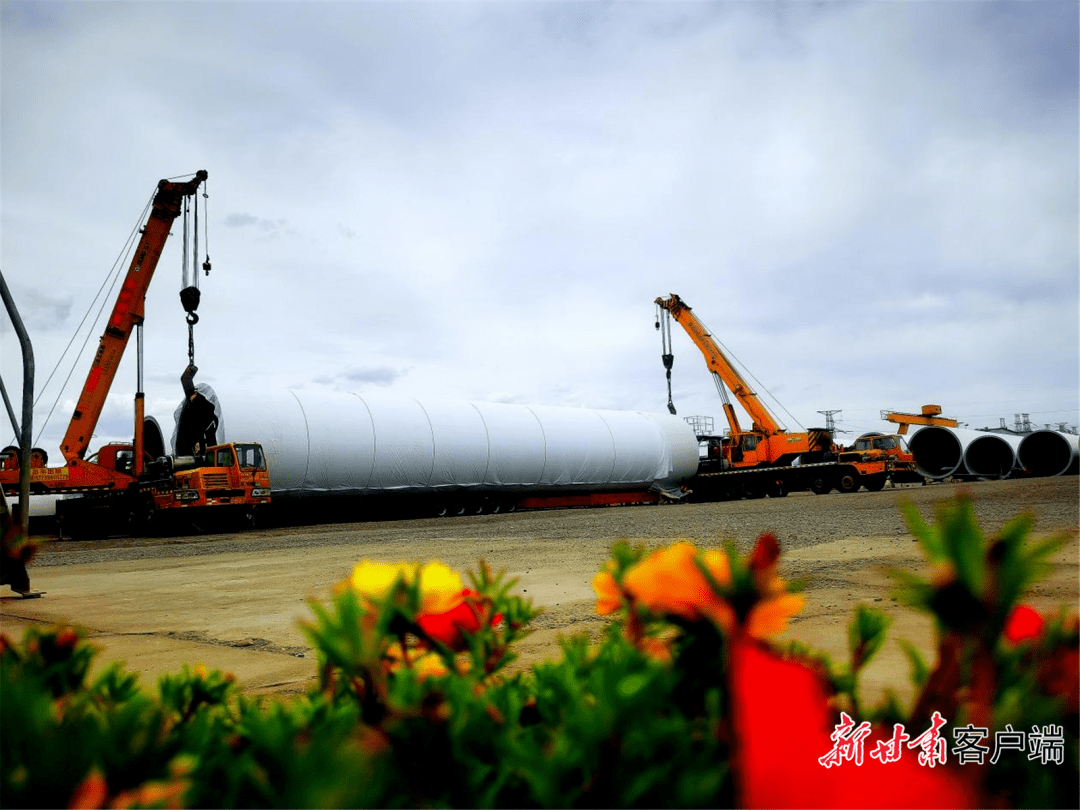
{"x":235,"y":601}
{"x":799,"y":521}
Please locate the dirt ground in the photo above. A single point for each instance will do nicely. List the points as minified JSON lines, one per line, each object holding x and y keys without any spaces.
{"x":234,"y":601}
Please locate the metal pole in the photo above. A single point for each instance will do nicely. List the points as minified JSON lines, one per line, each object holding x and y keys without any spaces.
{"x":26,"y":432}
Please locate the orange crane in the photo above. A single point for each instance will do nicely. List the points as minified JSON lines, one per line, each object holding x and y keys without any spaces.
{"x":766,"y":442}
{"x":772,"y":460}
{"x":120,"y":481}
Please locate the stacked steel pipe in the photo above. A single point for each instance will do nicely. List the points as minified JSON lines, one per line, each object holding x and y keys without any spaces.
{"x":942,"y":452}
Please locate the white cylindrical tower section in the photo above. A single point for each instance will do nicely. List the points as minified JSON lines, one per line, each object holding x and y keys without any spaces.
{"x":333,"y":442}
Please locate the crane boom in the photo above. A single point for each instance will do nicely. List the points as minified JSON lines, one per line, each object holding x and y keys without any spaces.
{"x":767,"y":459}
{"x":720,"y":365}
{"x":128,"y":311}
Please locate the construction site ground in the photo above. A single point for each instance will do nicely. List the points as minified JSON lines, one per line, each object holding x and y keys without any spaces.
{"x":236,"y":601}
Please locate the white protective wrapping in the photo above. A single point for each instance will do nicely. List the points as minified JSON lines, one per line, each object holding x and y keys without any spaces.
{"x":333,"y":442}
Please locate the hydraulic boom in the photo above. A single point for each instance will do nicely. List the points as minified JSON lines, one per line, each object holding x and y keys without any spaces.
{"x":128,"y":312}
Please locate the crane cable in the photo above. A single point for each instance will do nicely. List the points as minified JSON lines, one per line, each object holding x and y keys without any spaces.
{"x":189,"y":290}
{"x":113,"y":274}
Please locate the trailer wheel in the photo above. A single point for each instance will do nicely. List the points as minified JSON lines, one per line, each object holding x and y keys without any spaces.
{"x":820,"y":485}
{"x":848,"y":482}
{"x":753,"y":489}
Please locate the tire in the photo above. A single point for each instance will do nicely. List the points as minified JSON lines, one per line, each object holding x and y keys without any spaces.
{"x":753,"y":489}
{"x":848,"y":482}
{"x":875,"y":483}
{"x":820,"y":485}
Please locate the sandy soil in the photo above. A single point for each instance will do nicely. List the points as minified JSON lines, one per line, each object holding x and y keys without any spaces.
{"x":235,"y":601}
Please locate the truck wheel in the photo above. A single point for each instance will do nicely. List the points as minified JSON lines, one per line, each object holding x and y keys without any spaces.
{"x":848,"y":482}
{"x":141,"y":518}
{"x":820,"y":485}
{"x":875,"y":483}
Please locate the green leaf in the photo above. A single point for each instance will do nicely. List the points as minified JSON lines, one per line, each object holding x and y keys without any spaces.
{"x":920,"y":670}
{"x":965,"y":545}
{"x":866,"y":634}
{"x":928,"y":538}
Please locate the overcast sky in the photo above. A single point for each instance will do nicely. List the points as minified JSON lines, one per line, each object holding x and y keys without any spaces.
{"x":872,"y":205}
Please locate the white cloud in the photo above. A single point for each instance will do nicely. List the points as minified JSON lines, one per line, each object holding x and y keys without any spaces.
{"x":874,"y":205}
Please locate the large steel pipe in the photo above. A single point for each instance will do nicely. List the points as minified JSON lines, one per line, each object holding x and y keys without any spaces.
{"x":938,"y":451}
{"x":1049,"y":452}
{"x":333,"y":442}
{"x":991,"y":455}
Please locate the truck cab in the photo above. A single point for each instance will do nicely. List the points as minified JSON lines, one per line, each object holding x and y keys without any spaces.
{"x":226,"y":474}
{"x":879,"y":446}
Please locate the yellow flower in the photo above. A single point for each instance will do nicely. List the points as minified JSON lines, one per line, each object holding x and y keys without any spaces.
{"x":424,"y":663}
{"x":374,"y":579}
{"x":440,"y":587}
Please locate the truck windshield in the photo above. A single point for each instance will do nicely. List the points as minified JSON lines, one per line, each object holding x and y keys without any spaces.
{"x":251,"y":455}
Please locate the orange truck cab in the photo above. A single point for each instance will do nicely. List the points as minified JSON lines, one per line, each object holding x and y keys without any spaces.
{"x":226,"y":474}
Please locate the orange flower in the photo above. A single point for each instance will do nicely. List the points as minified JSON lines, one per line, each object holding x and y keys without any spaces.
{"x":770,"y":615}
{"x":610,"y":597}
{"x":423,"y":662}
{"x":669,"y":582}
{"x":658,"y":649}
{"x":90,"y":792}
{"x":152,"y":794}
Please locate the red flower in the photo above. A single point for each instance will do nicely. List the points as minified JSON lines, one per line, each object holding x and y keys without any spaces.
{"x":782,"y":726}
{"x":469,"y":616}
{"x":1024,"y":623}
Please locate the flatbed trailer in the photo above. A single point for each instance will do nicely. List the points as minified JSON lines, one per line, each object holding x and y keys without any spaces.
{"x":819,"y":478}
